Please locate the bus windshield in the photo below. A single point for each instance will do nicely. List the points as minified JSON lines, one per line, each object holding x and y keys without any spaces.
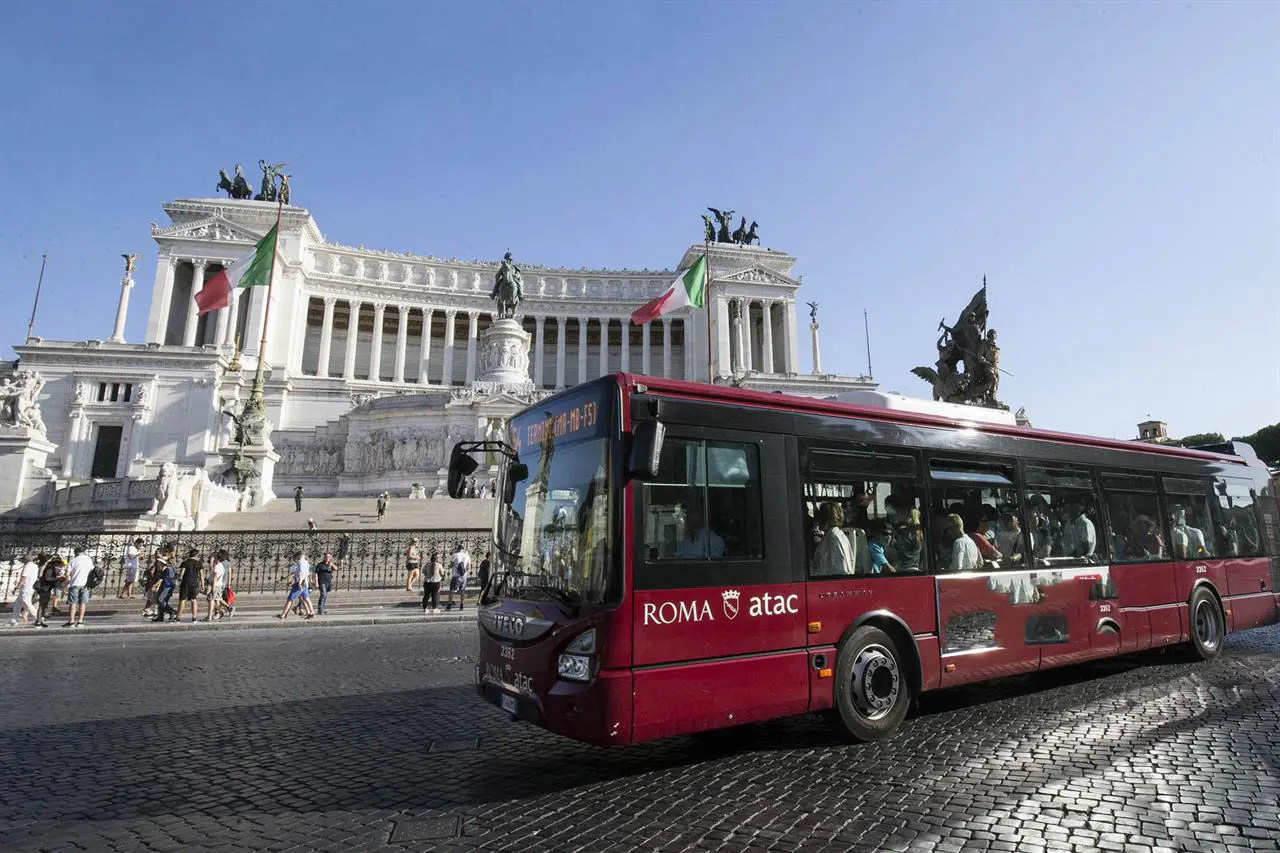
{"x":554,"y":538}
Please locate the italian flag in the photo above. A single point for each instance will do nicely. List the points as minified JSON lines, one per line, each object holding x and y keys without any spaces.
{"x":253,"y":270}
{"x":688,"y":290}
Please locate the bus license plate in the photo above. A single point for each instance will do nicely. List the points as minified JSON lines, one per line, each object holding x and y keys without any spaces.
{"x":508,"y":703}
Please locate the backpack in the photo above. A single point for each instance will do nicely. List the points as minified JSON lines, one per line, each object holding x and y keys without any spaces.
{"x":95,"y":578}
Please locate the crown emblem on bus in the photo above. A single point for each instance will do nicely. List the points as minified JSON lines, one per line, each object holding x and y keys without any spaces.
{"x":731,"y":597}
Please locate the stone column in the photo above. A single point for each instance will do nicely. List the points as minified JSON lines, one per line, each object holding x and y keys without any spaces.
{"x":689,"y":347}
{"x":644,"y":349}
{"x":626,"y":343}
{"x":473,"y":326}
{"x":375,"y":355}
{"x":749,"y":333}
{"x":162,"y":293}
{"x":560,"y":352}
{"x":817,"y":352}
{"x":766,"y":346}
{"x":233,"y":316}
{"x":326,"y":336}
{"x":122,"y":309}
{"x":582,"y":349}
{"x":425,"y":360}
{"x":738,"y":338}
{"x":402,"y":340}
{"x":449,"y":316}
{"x":605,"y":323}
{"x":193,"y":316}
{"x":666,"y":347}
{"x":724,"y":358}
{"x":353,"y":334}
{"x":220,"y":328}
{"x":538,"y":342}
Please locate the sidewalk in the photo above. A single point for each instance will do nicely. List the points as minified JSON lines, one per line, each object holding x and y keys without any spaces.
{"x":379,"y":607}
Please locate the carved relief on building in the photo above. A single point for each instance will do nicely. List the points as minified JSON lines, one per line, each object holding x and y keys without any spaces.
{"x":323,"y":458}
{"x":396,"y":450}
{"x":504,"y":353}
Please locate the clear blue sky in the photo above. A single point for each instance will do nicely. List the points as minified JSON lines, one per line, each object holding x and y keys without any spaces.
{"x":1112,"y":168}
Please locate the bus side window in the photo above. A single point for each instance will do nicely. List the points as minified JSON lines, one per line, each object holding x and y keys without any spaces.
{"x":1237,"y":521}
{"x":705,"y":503}
{"x":1186,"y":508}
{"x":860,"y":523}
{"x":1062,"y":517}
{"x":1135,"y":529}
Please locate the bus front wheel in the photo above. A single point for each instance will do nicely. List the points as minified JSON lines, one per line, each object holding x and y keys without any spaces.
{"x":872,"y":690}
{"x":1207,"y":625}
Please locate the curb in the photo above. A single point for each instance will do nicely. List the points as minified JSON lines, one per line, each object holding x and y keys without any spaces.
{"x":245,"y":624}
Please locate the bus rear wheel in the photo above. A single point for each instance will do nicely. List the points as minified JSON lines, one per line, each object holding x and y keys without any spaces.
{"x":873,"y":692}
{"x":1207,"y":625}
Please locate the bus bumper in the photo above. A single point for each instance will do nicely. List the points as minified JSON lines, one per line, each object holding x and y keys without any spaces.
{"x":597,"y":712}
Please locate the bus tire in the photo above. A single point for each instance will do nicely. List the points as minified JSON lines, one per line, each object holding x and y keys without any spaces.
{"x":1208,"y":627}
{"x":873,"y":692}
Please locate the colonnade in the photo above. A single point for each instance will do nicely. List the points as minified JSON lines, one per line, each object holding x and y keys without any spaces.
{"x":600,"y":344}
{"x":754,"y":323}
{"x":190,"y":331}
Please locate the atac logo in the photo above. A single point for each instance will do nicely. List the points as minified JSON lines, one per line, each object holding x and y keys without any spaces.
{"x":731,"y":597}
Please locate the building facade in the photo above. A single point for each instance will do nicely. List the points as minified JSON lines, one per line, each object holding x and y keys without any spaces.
{"x":371,"y":358}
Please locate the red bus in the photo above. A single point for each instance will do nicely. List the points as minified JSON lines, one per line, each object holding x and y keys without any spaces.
{"x":671,"y":557}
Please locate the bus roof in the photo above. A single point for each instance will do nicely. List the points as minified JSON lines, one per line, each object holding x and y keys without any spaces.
{"x":813,"y":405}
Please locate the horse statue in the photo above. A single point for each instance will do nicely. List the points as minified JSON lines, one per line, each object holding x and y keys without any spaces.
{"x":751,"y":236}
{"x":508,"y":288}
{"x":740,"y":233}
{"x":240,"y":187}
{"x":225,"y":185}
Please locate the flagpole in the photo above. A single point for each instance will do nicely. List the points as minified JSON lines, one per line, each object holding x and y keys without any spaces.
{"x":44,"y":256}
{"x":706,"y":299}
{"x":256,"y":398}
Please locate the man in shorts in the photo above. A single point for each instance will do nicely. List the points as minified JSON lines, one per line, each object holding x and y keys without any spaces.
{"x":299,"y":580}
{"x":78,"y":588}
{"x":460,"y":563}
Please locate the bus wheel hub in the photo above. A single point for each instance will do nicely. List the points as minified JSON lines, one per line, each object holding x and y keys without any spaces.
{"x":875,"y":681}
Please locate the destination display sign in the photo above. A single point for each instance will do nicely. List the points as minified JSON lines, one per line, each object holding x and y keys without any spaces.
{"x":574,"y":417}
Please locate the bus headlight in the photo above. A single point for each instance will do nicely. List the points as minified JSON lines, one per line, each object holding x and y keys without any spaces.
{"x":574,"y":667}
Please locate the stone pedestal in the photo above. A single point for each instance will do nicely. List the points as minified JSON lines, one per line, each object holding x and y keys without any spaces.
{"x":266,"y":459}
{"x":24,"y":454}
{"x":504,"y":358}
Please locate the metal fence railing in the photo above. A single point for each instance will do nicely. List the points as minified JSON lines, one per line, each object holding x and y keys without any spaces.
{"x":260,"y":560}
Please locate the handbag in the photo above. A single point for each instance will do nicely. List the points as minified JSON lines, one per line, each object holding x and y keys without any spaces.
{"x":228,"y":594}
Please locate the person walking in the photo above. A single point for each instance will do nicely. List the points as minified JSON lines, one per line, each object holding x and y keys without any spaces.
{"x":299,"y":579}
{"x":166,"y":575}
{"x":460,"y":567}
{"x":382,"y":505}
{"x":431,"y":585}
{"x":78,"y":588}
{"x":412,"y":562}
{"x":217,"y":586}
{"x":189,"y":583}
{"x":297,"y":498}
{"x":132,"y":560}
{"x":344,"y":548}
{"x":486,"y":567}
{"x":23,"y":599}
{"x":324,"y":581}
{"x":51,"y":567}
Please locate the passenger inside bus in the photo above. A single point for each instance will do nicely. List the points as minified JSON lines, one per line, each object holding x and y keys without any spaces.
{"x":700,"y":541}
{"x":834,"y":554}
{"x":1144,"y":543}
{"x":1187,"y":541}
{"x":960,"y":551}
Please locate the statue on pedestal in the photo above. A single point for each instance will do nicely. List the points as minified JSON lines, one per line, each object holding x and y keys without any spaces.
{"x":269,"y":173}
{"x":19,"y":400}
{"x":508,"y":288}
{"x":970,"y":343}
{"x":238,"y":188}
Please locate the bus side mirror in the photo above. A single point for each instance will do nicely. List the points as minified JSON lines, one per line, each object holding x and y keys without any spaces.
{"x":646,"y":449}
{"x":517,"y":473}
{"x":461,"y":466}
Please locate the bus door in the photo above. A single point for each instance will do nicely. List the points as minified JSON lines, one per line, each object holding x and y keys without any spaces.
{"x":1243,"y":543}
{"x":864,"y":548}
{"x":719,"y":622}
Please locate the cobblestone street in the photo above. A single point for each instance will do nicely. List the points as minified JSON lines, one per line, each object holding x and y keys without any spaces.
{"x":370,"y":738}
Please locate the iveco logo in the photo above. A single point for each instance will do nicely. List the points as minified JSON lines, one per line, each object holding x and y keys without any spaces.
{"x":508,"y":624}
